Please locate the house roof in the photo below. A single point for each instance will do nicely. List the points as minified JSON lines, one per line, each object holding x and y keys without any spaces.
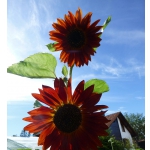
{"x":114,"y":116}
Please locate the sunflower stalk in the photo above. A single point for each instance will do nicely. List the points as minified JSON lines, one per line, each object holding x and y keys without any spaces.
{"x":70,"y":72}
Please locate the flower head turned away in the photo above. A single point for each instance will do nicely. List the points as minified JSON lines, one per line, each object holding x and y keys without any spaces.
{"x":68,"y":121}
{"x":76,"y":37}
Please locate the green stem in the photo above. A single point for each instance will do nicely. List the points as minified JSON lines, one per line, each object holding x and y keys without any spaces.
{"x":70,"y":73}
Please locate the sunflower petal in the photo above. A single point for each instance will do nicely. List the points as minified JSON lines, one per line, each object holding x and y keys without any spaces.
{"x":93,"y":138}
{"x":60,"y":88}
{"x":61,"y":22}
{"x":40,"y":98}
{"x":59,"y":28}
{"x":36,"y":126}
{"x":84,"y":95}
{"x":65,"y":142}
{"x":50,"y":92}
{"x":41,"y":110}
{"x":45,"y":133}
{"x":72,"y":17}
{"x":78,"y":16}
{"x":93,"y":24}
{"x":92,"y":100}
{"x":49,"y":140}
{"x":50,"y":101}
{"x":57,"y":35}
{"x":86,"y":20}
{"x":71,"y":59}
{"x":79,"y":89}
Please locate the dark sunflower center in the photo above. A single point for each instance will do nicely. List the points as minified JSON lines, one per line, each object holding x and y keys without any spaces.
{"x":67,"y":118}
{"x":76,"y":38}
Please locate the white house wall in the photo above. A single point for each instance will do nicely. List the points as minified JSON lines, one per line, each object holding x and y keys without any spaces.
{"x":125,"y":134}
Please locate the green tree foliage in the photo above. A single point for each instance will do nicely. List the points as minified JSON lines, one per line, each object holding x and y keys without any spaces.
{"x":137,"y":122}
{"x":24,"y":133}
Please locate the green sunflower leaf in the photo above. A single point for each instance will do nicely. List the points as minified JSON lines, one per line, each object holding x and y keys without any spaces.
{"x":107,"y":21}
{"x":37,"y":104}
{"x":40,"y":65}
{"x":65,"y":71}
{"x":100,"y":86}
{"x":51,"y":47}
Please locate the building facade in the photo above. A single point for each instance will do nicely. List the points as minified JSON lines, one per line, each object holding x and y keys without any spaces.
{"x":120,"y":128}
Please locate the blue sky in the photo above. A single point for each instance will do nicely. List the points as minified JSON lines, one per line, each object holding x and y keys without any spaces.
{"x":120,"y":60}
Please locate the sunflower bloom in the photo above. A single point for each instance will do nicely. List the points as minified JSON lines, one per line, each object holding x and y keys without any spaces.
{"x":76,"y":37}
{"x":69,"y":121}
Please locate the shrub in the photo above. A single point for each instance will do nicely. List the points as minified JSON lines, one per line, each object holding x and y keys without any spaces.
{"x":110,"y":143}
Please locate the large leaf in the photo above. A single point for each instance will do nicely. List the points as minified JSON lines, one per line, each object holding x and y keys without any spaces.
{"x":65,"y":71}
{"x":100,"y":86}
{"x":40,"y":65}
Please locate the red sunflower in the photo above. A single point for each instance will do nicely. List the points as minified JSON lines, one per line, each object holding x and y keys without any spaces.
{"x":76,"y":37}
{"x":70,"y":121}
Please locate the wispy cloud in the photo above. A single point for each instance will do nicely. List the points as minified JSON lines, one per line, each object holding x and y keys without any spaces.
{"x":90,"y":76}
{"x":34,"y":15}
{"x":140,"y":98}
{"x":120,"y":109}
{"x":25,"y":34}
{"x":116,"y":69}
{"x":11,"y":117}
{"x":114,"y":99}
{"x":136,"y":66}
{"x":132,"y":37}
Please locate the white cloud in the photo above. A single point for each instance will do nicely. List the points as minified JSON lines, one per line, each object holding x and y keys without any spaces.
{"x":34,"y":15}
{"x":11,"y":117}
{"x":116,"y":69}
{"x":77,"y":79}
{"x":24,"y":36}
{"x":113,"y":99}
{"x":85,"y":77}
{"x":132,"y":37}
{"x":20,"y":88}
{"x":140,"y":98}
{"x":120,"y":109}
{"x":94,"y":65}
{"x":136,"y":67}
